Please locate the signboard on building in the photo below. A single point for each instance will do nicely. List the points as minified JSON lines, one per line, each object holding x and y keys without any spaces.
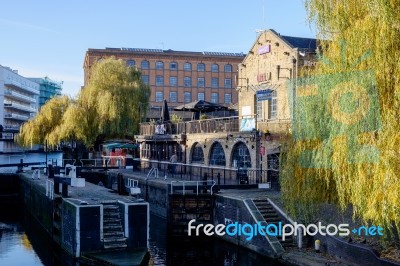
{"x":247,"y":124}
{"x":264,"y":49}
{"x":264,"y":95}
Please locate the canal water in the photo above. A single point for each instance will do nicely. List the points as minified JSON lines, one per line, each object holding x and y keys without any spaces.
{"x":24,"y":242}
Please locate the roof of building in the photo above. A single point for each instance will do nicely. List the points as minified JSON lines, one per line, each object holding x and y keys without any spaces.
{"x":169,"y":51}
{"x":302,"y":43}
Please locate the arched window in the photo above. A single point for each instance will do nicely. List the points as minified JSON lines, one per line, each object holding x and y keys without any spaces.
{"x":197,"y":154}
{"x":187,"y":66}
{"x":214,"y":68}
{"x":173,"y":66}
{"x":201,"y":67}
{"x":130,"y":63}
{"x":241,"y":156}
{"x":228,"y":68}
{"x":159,"y":65}
{"x":145,"y":64}
{"x":217,"y":155}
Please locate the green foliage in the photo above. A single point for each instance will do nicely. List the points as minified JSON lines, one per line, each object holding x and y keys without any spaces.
{"x":109,"y":105}
{"x":356,"y":165}
{"x":176,"y":118}
{"x":45,"y":125}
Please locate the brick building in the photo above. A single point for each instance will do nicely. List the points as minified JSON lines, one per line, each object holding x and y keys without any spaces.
{"x":178,"y":76}
{"x":272,"y":63}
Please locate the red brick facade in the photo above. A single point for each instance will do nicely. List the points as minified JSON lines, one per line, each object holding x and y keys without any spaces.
{"x":168,"y":67}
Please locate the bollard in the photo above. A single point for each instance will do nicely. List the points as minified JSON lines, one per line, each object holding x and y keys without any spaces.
{"x":64,"y":192}
{"x":317,"y":245}
{"x":205,"y":182}
{"x":51,"y":171}
{"x":19,"y":167}
{"x":121,"y":184}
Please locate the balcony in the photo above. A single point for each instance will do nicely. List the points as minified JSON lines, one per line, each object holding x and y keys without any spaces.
{"x":17,"y":106}
{"x":10,"y":82}
{"x":16,"y":116}
{"x":18,"y":96}
{"x":216,"y":125}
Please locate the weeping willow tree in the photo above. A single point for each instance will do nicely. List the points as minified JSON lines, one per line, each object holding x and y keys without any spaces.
{"x":109,"y":106}
{"x":41,"y":128}
{"x":117,"y":95}
{"x":346,"y":136}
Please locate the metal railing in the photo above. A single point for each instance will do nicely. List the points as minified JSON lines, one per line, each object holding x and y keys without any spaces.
{"x":117,"y":160}
{"x":68,"y":161}
{"x":215,"y":125}
{"x":199,"y":172}
{"x":37,"y":173}
{"x":50,"y":189}
{"x":93,"y":162}
{"x":152,"y":171}
{"x":203,"y":186}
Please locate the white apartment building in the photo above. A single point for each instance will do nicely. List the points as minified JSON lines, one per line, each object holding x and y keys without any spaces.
{"x":18,"y":103}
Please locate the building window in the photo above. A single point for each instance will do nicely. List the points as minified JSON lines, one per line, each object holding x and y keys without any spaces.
{"x":173,"y":81}
{"x":187,"y":66}
{"x":272,"y":106}
{"x":241,"y":156}
{"x":130,"y":63}
{"x":145,"y":79}
{"x":200,"y":96}
{"x":197,"y":154}
{"x":187,"y":82}
{"x":217,"y":155}
{"x":173,"y":97}
{"x":228,"y":83}
{"x":173,"y":66}
{"x":201,"y":67}
{"x":159,"y":81}
{"x":228,"y":68}
{"x":214,"y":97}
{"x":201,"y":82}
{"x":259,"y":110}
{"x":214,"y":68}
{"x":214,"y":83}
{"x":159,"y":96}
{"x":228,"y":98}
{"x":187,"y":97}
{"x":159,"y":65}
{"x":145,"y":64}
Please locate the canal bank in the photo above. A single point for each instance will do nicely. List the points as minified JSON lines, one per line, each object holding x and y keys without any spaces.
{"x":90,"y":222}
{"x":230,"y":205}
{"x":182,"y":201}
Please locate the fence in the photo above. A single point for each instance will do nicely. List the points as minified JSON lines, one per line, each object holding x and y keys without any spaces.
{"x":193,"y":172}
{"x":224,"y":124}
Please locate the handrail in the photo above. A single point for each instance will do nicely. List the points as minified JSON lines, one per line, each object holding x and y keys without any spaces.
{"x":197,"y":185}
{"x":119,"y":158}
{"x":281,"y":212}
{"x":64,"y":160}
{"x":37,"y":171}
{"x":50,"y":189}
{"x":89,"y":160}
{"x":133,"y":182}
{"x":153,"y":170}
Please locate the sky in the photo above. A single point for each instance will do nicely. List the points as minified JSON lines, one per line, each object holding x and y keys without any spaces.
{"x":50,"y":38}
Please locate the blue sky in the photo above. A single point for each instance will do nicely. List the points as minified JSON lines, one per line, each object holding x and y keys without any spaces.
{"x":50,"y":38}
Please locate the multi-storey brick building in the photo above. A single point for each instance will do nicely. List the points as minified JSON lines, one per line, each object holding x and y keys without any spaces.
{"x":178,"y":76}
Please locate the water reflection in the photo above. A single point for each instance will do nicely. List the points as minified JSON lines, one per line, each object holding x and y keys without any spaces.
{"x":197,"y":251}
{"x":24,"y":242}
